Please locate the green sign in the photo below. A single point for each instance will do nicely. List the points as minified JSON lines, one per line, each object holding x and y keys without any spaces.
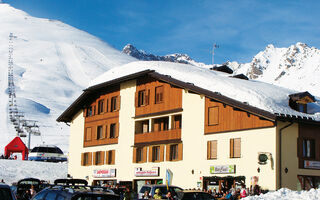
{"x":223,"y":169}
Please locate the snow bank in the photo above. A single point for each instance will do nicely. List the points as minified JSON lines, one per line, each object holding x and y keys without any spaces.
{"x":14,"y":170}
{"x":286,"y":194}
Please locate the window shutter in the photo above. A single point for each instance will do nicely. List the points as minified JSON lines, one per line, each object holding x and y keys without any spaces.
{"x":94,"y":133}
{"x":237,"y":147}
{"x":213,"y":115}
{"x":300,"y":147}
{"x":150,"y":154}
{"x":90,"y":158}
{"x":214,"y":149}
{"x":107,"y":105}
{"x":147,"y":97}
{"x":113,"y":157}
{"x":82,"y":159}
{"x":161,"y":153}
{"x":134,"y":156}
{"x":208,"y":150}
{"x":145,"y":151}
{"x":231,"y":148}
{"x":118,"y":102}
{"x":107,"y":157}
{"x":168,"y":152}
{"x":136,"y":99}
{"x":94,"y":158}
{"x":108,"y":131}
{"x":116,"y":134}
{"x":180,"y":151}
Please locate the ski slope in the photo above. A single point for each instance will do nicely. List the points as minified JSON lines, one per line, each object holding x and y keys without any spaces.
{"x":53,"y":62}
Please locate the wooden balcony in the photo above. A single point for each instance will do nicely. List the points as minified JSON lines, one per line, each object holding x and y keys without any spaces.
{"x":104,"y":141}
{"x":158,"y":137}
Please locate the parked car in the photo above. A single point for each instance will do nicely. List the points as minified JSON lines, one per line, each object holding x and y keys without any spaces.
{"x":25,"y":184}
{"x":163,"y":189}
{"x":48,"y":153}
{"x":193,"y":195}
{"x":6,"y":193}
{"x":73,"y":189}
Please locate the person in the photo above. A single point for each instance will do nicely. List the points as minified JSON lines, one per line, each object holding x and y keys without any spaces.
{"x":228,"y":195}
{"x":128,"y":195}
{"x":157,"y":194}
{"x":256,"y":190}
{"x":169,"y":196}
{"x":26,"y":195}
{"x":2,"y":181}
{"x":243,"y":191}
{"x":32,"y":191}
{"x":146,"y":195}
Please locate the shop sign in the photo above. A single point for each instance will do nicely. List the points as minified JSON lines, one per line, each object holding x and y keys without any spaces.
{"x":104,"y":173}
{"x":154,"y":171}
{"x":312,"y":164}
{"x":223,"y":169}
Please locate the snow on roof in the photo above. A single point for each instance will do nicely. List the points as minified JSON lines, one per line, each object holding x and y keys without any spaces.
{"x":271,"y":98}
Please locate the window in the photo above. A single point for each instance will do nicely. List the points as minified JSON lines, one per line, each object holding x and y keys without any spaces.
{"x":100,"y":106}
{"x":112,"y":130}
{"x":89,"y":111}
{"x":174,"y":152}
{"x":142,"y":98}
{"x":176,"y":122}
{"x":213,"y":116}
{"x":161,"y":124}
{"x":308,"y":148}
{"x":110,"y":157}
{"x":99,"y":158}
{"x":99,"y":132}
{"x":212,"y":149}
{"x":159,"y":94}
{"x":139,"y":154}
{"x":88,"y":134}
{"x":155,"y":153}
{"x":114,"y":104}
{"x":235,"y":148}
{"x":145,"y":126}
{"x":85,"y":159}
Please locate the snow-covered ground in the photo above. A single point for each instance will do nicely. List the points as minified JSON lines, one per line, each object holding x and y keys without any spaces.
{"x":286,"y":194}
{"x":13,"y":170}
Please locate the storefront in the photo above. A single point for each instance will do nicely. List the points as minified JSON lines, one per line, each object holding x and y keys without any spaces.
{"x":146,"y":177}
{"x":223,"y":183}
{"x":308,"y":182}
{"x":104,"y":177}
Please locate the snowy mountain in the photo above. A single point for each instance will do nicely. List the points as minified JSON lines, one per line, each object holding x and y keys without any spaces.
{"x":131,"y":50}
{"x":296,"y":67}
{"x":52,"y":63}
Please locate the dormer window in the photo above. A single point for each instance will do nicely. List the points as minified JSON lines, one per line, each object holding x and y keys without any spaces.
{"x":299,"y":101}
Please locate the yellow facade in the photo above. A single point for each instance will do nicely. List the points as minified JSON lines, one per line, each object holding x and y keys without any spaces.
{"x":189,"y":172}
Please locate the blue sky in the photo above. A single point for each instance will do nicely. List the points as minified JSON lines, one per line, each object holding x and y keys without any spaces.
{"x":242,"y":28}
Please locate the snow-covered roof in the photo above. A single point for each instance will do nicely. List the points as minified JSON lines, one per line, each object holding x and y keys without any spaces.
{"x":264,"y":96}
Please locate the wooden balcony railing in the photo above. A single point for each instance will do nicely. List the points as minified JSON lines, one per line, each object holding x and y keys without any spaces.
{"x":158,"y":136}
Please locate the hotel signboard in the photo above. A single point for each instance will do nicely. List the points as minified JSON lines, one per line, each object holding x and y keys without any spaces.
{"x":139,"y":172}
{"x":311,"y":164}
{"x":223,"y":169}
{"x":104,"y":173}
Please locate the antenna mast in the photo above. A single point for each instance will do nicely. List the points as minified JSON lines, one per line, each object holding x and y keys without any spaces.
{"x":215,"y":46}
